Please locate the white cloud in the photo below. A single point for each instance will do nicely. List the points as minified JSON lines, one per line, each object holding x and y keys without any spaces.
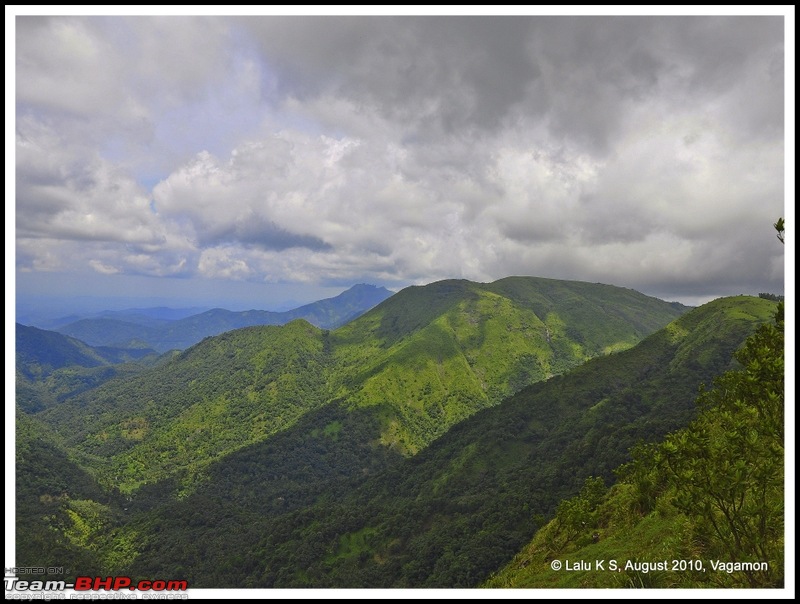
{"x":222,"y":263}
{"x":66,"y":191}
{"x":103,"y":269}
{"x":122,"y":68}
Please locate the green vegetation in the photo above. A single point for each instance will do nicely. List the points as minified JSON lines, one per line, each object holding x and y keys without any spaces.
{"x":711,"y":492}
{"x":458,"y":510}
{"x":51,"y":367}
{"x":423,"y":360}
{"x":59,"y":506}
{"x":436,"y":354}
{"x":217,"y":397}
{"x":420,"y":445}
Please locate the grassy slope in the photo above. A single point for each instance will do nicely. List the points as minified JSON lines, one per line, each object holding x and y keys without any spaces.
{"x":439,"y":353}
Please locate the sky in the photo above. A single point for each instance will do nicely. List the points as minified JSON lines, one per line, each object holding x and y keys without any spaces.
{"x":256,"y":162}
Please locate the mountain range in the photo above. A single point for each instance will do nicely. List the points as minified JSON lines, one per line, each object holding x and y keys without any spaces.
{"x":51,"y":367}
{"x":456,"y":511}
{"x":420,"y":362}
{"x":162,"y":332}
{"x":421,"y":444}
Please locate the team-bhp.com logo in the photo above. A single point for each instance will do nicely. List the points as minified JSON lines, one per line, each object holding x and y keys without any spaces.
{"x":95,"y":584}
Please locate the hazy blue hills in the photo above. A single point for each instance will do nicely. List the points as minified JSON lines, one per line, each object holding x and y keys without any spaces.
{"x":162,"y":332}
{"x":40,"y":352}
{"x":51,"y":367}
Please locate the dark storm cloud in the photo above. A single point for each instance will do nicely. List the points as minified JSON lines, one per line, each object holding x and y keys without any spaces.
{"x":451,"y":73}
{"x":445,"y":72}
{"x":263,"y":234}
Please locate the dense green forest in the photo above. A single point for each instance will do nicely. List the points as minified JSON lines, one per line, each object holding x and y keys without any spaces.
{"x":711,"y":493}
{"x":60,"y":508}
{"x":421,"y":445}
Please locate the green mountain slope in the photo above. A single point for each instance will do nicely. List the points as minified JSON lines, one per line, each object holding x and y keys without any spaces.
{"x":422,"y":360}
{"x":181,"y":333}
{"x":438,"y":353}
{"x":461,"y":508}
{"x":703,"y":508}
{"x":61,"y":512}
{"x":217,"y":396}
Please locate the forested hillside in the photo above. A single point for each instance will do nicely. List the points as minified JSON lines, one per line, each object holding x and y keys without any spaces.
{"x":316,"y":506}
{"x":702,"y":508}
{"x":293,"y":456}
{"x":422,"y":361}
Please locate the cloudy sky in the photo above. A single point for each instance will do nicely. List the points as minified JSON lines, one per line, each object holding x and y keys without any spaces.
{"x":248,"y":162}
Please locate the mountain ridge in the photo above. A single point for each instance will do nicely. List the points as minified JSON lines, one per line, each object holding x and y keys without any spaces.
{"x":424,"y":359}
{"x":163,"y":334}
{"x":728,"y":508}
{"x":51,"y":367}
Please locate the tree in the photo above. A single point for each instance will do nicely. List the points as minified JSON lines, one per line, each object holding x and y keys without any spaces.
{"x":726,"y":468}
{"x":578,"y":514}
{"x":779,"y":227}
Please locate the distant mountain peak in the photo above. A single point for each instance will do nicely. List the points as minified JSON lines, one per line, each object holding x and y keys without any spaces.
{"x":364,"y":287}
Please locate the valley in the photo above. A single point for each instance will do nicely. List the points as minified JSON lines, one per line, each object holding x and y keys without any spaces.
{"x":421,"y":444}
